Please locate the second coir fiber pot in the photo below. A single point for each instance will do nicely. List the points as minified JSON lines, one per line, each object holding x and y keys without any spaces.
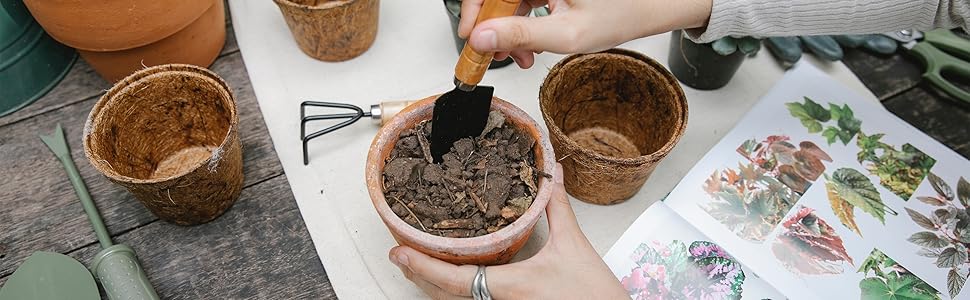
{"x":332,"y":30}
{"x":170,"y":135}
{"x":612,"y":117}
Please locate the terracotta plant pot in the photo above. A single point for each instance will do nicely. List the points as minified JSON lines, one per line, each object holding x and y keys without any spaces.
{"x":495,"y":248}
{"x":114,"y":25}
{"x":698,"y":66}
{"x":332,"y":30}
{"x":198,"y":44}
{"x":170,"y":135}
{"x":613,"y":116}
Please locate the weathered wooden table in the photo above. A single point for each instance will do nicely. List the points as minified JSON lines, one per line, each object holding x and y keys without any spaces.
{"x":260,"y":248}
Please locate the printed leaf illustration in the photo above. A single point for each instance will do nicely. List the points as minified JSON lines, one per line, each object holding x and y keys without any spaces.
{"x":963,"y":192}
{"x":843,"y":127}
{"x":811,"y":114}
{"x":842,"y":209}
{"x":674,"y":271}
{"x":808,"y":245}
{"x":900,"y":171}
{"x":955,"y":282}
{"x":949,"y":231}
{"x":889,"y":280}
{"x":920,"y":219}
{"x":847,"y":189}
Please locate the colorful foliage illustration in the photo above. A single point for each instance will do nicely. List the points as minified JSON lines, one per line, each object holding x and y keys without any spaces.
{"x":808,"y":245}
{"x":947,"y":235}
{"x":796,"y":168}
{"x":900,"y":171}
{"x":753,"y":199}
{"x":674,"y":271}
{"x":848,"y":189}
{"x":891,"y":281}
{"x":815,"y":117}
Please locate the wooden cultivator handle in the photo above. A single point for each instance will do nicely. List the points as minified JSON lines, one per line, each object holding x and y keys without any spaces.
{"x":472,"y":64}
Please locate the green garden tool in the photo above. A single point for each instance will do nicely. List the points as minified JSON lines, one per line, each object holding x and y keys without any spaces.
{"x":116,"y":266}
{"x":50,"y":276}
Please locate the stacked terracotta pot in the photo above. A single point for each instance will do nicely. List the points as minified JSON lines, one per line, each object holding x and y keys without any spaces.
{"x":120,"y":37}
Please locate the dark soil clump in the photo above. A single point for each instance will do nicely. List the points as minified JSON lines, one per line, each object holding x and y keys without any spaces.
{"x":482,"y":185}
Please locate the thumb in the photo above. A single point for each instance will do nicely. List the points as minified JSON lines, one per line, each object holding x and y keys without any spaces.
{"x":559,"y":212}
{"x":550,"y":33}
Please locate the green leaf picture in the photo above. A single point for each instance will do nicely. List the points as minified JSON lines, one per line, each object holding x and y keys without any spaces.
{"x":886,"y":279}
{"x":946,"y":234}
{"x":848,"y":189}
{"x":813,"y":116}
{"x":900,"y":171}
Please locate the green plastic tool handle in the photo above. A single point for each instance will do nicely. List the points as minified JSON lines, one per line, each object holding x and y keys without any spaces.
{"x":58,"y":144}
{"x":939,"y":62}
{"x":121,"y":276}
{"x":949,"y":42}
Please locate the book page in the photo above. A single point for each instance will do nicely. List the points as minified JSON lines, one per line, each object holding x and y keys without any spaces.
{"x":826,"y":195}
{"x":661,"y":256}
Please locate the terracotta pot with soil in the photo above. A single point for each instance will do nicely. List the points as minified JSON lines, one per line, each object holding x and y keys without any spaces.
{"x":198,"y":43}
{"x":114,"y":25}
{"x":481,"y":204}
{"x":169,"y":134}
{"x":332,"y":30}
{"x":613,"y":116}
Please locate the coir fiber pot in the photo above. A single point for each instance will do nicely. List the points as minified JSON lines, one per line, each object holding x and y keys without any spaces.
{"x":612,"y":116}
{"x":332,"y":30}
{"x":170,"y":135}
{"x":198,"y":44}
{"x":495,"y":248}
{"x":31,"y":62}
{"x":698,"y":65}
{"x":114,"y":25}
{"x":453,"y":8}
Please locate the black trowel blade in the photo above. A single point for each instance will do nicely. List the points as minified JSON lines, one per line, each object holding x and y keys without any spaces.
{"x":458,"y":114}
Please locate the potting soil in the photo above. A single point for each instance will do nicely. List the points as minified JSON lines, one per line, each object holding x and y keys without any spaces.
{"x":482,"y":184}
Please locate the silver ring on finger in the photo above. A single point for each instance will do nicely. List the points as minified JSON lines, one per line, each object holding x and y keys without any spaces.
{"x":479,"y":287}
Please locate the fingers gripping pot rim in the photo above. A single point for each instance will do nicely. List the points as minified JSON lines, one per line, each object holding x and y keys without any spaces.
{"x":332,"y":30}
{"x":612,"y":117}
{"x":169,"y":134}
{"x":495,"y":248}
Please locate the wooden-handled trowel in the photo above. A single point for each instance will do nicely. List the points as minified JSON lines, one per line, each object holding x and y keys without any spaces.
{"x":463,"y":112}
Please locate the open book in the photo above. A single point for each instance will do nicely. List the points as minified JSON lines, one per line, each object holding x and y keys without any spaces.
{"x":817,"y":193}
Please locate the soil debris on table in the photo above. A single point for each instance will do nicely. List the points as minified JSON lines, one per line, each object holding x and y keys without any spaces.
{"x":483,"y":183}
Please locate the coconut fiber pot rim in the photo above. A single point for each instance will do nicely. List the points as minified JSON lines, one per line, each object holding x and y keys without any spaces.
{"x":134,"y":81}
{"x":461,"y":247}
{"x":324,"y":5}
{"x":617,"y":53}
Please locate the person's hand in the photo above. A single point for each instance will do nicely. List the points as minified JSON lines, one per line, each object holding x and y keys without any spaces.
{"x":566,"y":267}
{"x":576,"y":26}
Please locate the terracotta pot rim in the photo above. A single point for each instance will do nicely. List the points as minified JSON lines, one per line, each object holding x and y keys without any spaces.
{"x":672,"y":82}
{"x":501,"y":239}
{"x":124,"y":86}
{"x":328,"y":5}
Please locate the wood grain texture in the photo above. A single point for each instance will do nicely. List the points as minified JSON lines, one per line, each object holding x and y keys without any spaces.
{"x":885,"y":76}
{"x":40,"y":210}
{"x":82,"y":83}
{"x":935,"y":114}
{"x":260,"y":249}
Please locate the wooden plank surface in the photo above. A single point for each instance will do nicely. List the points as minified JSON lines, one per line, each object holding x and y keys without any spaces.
{"x":936,"y":115}
{"x":258,"y":248}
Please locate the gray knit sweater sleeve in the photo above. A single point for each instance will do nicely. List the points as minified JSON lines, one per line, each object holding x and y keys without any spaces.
{"x":818,"y":17}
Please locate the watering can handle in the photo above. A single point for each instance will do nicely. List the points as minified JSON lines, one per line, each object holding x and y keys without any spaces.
{"x":472,"y":64}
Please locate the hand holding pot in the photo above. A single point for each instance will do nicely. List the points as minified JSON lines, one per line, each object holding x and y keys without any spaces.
{"x":576,"y":26}
{"x":566,"y":267}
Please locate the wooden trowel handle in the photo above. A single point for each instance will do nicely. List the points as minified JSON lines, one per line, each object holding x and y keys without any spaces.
{"x":472,"y":64}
